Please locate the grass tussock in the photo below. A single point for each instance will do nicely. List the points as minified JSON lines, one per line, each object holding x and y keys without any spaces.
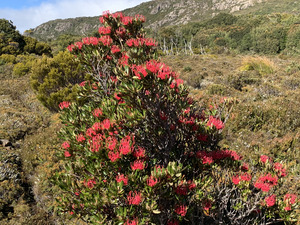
{"x":262,"y":64}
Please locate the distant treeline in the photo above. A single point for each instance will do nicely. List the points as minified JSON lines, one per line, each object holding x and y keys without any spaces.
{"x":263,"y":34}
{"x":12,"y":42}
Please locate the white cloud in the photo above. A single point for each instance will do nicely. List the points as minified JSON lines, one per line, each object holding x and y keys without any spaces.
{"x":31,"y":17}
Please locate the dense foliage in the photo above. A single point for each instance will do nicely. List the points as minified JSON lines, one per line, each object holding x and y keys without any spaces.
{"x":139,"y":150}
{"x":269,"y":34}
{"x":54,"y":79}
{"x":12,"y":42}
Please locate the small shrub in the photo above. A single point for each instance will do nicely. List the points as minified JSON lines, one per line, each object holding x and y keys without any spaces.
{"x":263,"y":65}
{"x":20,"y":69}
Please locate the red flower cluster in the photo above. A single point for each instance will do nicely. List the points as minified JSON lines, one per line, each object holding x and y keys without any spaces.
{"x":67,"y":154}
{"x":139,"y":153}
{"x":218,"y":124}
{"x":80,"y":138}
{"x":65,"y":145}
{"x":97,"y":112}
{"x":90,"y":183}
{"x":132,"y":222}
{"x":151,"y":181}
{"x":264,"y":158}
{"x":242,"y":177}
{"x":138,"y":165}
{"x":104,"y":30}
{"x":139,"y":70}
{"x":115,"y":49}
{"x":121,"y":177}
{"x":96,"y":143}
{"x":125,"y":147}
{"x":270,"y":200}
{"x":289,"y":200}
{"x":181,"y":210}
{"x":134,"y":198}
{"x":265,"y":183}
{"x":64,"y":105}
{"x":140,"y":42}
{"x":278,"y":167}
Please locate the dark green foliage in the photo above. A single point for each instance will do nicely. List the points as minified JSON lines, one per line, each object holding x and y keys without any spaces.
{"x":54,"y":79}
{"x":35,"y":47}
{"x":11,"y":41}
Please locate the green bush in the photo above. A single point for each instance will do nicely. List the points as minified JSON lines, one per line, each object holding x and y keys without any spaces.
{"x":55,"y":79}
{"x":21,"y":69}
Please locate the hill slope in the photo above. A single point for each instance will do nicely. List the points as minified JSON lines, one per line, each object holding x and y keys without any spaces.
{"x":161,"y":13}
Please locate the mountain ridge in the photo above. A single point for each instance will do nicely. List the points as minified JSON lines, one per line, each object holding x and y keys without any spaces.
{"x":161,"y":13}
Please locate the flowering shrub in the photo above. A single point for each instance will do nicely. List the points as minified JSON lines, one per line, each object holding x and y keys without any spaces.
{"x":138,"y":150}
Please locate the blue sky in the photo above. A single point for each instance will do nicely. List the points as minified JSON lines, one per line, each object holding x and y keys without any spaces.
{"x":26,"y":14}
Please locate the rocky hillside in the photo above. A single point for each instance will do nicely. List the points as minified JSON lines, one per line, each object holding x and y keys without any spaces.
{"x":166,"y":12}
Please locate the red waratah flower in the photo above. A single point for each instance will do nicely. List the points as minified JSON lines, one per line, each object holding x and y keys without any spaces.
{"x":138,"y":165}
{"x":278,"y":167}
{"x":106,"y":124}
{"x":151,"y":181}
{"x":111,"y":143}
{"x":117,"y":15}
{"x":246,"y":177}
{"x":127,"y":20}
{"x":288,"y":208}
{"x":121,"y":31}
{"x":191,"y":185}
{"x":104,"y":30}
{"x":266,"y":182}
{"x":218,"y":124}
{"x":125,"y":147}
{"x":97,"y":112}
{"x":134,"y":198}
{"x":264,"y":158}
{"x":291,"y":198}
{"x":90,"y":132}
{"x":71,"y":47}
{"x":65,"y":145}
{"x":236,"y":179}
{"x":80,"y":138}
{"x":113,"y":156}
{"x":173,"y":222}
{"x":115,"y":49}
{"x":64,"y":105}
{"x":123,"y":60}
{"x":181,"y":210}
{"x":97,"y":126}
{"x":96,"y":143}
{"x":270,"y":200}
{"x":206,"y":204}
{"x":90,"y":184}
{"x":82,"y":84}
{"x":120,"y":178}
{"x":132,"y":222}
{"x":79,"y":45}
{"x":106,"y":40}
{"x":139,"y":153}
{"x":67,"y":154}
